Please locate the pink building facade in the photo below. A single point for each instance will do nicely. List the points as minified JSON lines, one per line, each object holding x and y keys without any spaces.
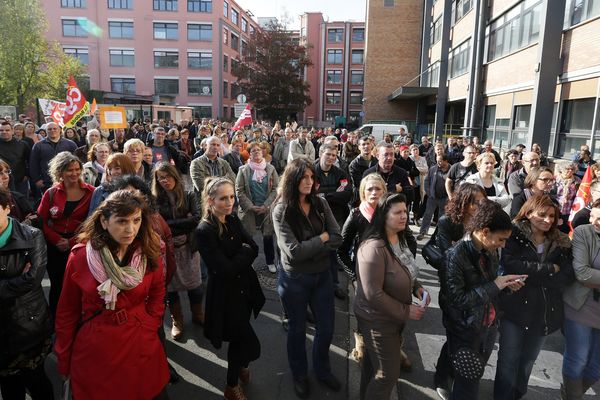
{"x":337,"y":75}
{"x":173,"y":52}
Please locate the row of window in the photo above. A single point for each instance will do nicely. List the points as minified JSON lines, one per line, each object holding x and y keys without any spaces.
{"x":336,"y":35}
{"x":335,"y":97}
{"x":353,"y":116}
{"x":235,"y":18}
{"x":162,"y":86}
{"x":334,"y":77}
{"x":157,"y":5}
{"x":335,"y":56}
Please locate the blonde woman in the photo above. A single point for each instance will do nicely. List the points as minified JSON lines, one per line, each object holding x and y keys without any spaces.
{"x":494,"y":189}
{"x":134,"y":149}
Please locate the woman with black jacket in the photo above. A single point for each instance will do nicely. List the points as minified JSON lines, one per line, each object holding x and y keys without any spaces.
{"x":473,"y":288}
{"x":538,"y":249}
{"x":233,"y":293}
{"x":25,"y":324}
{"x":450,"y":229}
{"x":180,"y":209}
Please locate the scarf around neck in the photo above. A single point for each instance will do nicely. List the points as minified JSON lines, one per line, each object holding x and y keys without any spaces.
{"x":366,"y":210}
{"x":99,"y":167}
{"x":113,"y":279}
{"x":259,"y":170}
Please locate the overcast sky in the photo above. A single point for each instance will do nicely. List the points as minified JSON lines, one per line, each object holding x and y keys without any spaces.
{"x":335,"y":10}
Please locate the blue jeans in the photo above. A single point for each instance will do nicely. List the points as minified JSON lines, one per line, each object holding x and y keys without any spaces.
{"x":333,"y":267}
{"x":432,"y":205}
{"x":581,"y":359}
{"x":297,"y":290}
{"x":516,"y":356}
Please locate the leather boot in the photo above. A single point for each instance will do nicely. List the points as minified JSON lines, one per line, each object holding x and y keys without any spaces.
{"x":245,"y":375}
{"x":197,"y":313}
{"x":573,"y":388}
{"x":177,"y":317}
{"x":234,"y":393}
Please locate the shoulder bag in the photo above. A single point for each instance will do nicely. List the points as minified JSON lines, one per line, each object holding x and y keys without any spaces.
{"x":432,"y":253}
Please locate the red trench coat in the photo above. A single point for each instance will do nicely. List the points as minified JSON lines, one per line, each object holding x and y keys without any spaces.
{"x":117,"y":355}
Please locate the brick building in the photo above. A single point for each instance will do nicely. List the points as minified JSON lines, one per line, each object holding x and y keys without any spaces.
{"x":513,"y":71}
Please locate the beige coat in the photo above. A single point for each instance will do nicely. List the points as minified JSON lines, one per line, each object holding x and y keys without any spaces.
{"x":242,"y":190}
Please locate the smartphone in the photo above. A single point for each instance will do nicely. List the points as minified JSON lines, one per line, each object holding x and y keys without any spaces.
{"x":424,"y":300}
{"x":520,"y":279}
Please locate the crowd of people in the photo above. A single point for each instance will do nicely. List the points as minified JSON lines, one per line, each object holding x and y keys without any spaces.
{"x":108,"y":216}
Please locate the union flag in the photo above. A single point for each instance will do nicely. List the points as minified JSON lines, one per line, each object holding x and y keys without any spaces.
{"x":76,"y":106}
{"x":583,"y":197}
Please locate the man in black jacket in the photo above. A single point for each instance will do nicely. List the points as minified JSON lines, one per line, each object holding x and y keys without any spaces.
{"x":16,"y":154}
{"x":396,"y":178}
{"x":361,"y":163}
{"x":435,"y":188}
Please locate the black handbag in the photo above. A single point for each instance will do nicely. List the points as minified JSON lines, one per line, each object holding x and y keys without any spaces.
{"x":468,"y":363}
{"x":432,"y":253}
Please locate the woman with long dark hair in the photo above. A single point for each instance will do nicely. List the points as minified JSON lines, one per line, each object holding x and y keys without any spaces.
{"x":387,"y":281}
{"x":112,"y":305}
{"x":233,"y":292}
{"x":180,"y":209}
{"x":25,"y":323}
{"x":306,"y":233}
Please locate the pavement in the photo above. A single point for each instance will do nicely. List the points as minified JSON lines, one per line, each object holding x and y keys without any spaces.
{"x":203,"y":368}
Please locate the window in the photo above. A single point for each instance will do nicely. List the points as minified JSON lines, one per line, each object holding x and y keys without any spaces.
{"x":460,"y":8}
{"x":121,"y":58}
{"x":73,"y":27}
{"x":235,"y":41}
{"x":165,"y":5}
{"x":517,"y":28}
{"x":199,"y":87}
{"x":200,"y":32}
{"x":582,"y":10}
{"x":199,"y":6}
{"x":225,"y":112}
{"x":81,"y":54}
{"x":431,"y":77}
{"x":166,"y":31}
{"x":244,"y":25}
{"x":334,"y":56}
{"x":73,"y":3}
{"x":357,"y":77}
{"x":459,"y":59}
{"x":122,"y":85}
{"x":244,"y":48}
{"x":225,"y":63}
{"x":225,"y":36}
{"x":334,"y":77}
{"x":335,"y":35}
{"x":234,"y":65}
{"x":330,"y":115}
{"x":202,"y":111}
{"x":489,"y":120}
{"x":252,"y":30}
{"x":521,"y":119}
{"x":199,"y":60}
{"x":225,"y":8}
{"x":235,"y":15}
{"x":578,"y":115}
{"x":388,"y":3}
{"x":120,"y":4}
{"x":356,"y":97}
{"x":354,"y":117}
{"x":225,"y":89}
{"x":333,"y":97}
{"x":166,"y":86}
{"x":120,"y":30}
{"x":235,"y":90}
{"x":436,"y":31}
{"x":357,"y":56}
{"x":166,"y":59}
{"x":358,"y":34}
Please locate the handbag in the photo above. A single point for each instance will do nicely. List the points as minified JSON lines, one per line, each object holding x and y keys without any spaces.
{"x":468,"y":363}
{"x":432,"y":253}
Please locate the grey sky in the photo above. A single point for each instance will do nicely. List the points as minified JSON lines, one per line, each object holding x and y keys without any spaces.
{"x":334,"y":10}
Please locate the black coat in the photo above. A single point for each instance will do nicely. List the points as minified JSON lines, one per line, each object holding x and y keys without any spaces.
{"x":538,"y":306}
{"x":446,"y":234}
{"x":233,"y":289}
{"x":184,"y":222}
{"x":24,"y":318}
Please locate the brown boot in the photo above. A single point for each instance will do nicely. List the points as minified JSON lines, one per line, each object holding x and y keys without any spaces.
{"x":573,"y":388}
{"x":197,"y":313}
{"x":245,"y":375}
{"x":177,"y":317}
{"x":234,"y":393}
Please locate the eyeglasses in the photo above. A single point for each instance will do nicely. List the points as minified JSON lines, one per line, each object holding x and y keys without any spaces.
{"x":164,"y":178}
{"x":547,"y":180}
{"x":6,"y":172}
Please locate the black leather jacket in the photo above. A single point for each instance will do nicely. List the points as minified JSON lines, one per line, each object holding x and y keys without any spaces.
{"x":538,"y":306}
{"x":446,"y":234}
{"x":470,"y":293}
{"x":180,"y":223}
{"x":24,"y":318}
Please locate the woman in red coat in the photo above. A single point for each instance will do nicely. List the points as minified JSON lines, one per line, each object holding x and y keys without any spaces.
{"x":112,"y":305}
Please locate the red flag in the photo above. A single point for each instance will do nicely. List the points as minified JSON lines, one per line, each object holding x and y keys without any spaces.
{"x":57,"y":113}
{"x":76,"y":106}
{"x":94,"y":107}
{"x":583,"y":197}
{"x":244,"y":119}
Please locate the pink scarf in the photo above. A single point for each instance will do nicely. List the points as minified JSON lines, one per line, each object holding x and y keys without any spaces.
{"x":366,"y":210}
{"x":260,"y":170}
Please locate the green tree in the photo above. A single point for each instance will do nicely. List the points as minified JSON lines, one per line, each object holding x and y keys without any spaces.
{"x":30,"y":66}
{"x":270,"y":73}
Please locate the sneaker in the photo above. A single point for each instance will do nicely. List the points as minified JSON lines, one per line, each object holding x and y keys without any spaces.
{"x":420,"y":236}
{"x":272,"y":268}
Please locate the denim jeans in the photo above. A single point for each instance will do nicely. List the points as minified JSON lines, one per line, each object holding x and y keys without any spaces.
{"x":432,"y":205}
{"x":269,"y":249}
{"x":581,"y":359}
{"x":333,"y":267}
{"x":297,"y":290}
{"x":516,"y":356}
